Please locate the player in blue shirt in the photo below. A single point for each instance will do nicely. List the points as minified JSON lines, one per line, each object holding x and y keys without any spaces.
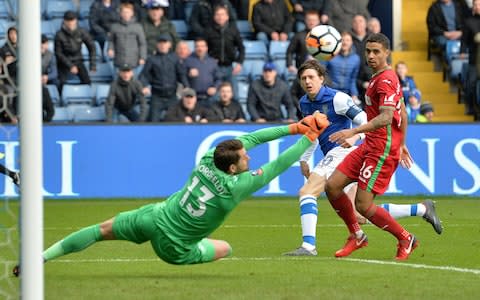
{"x":341,"y":112}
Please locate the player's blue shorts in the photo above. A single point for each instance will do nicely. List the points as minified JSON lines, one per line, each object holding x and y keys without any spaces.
{"x":138,"y":226}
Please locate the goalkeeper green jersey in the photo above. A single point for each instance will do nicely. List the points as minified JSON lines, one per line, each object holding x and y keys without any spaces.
{"x":210,"y":194}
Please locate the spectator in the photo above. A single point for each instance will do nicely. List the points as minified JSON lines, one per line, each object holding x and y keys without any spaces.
{"x":49,"y":64}
{"x":126,"y":42}
{"x":227,"y":109}
{"x":445,"y":21}
{"x":470,"y":44}
{"x":183,"y":50}
{"x":162,"y":72}
{"x":187,"y":110}
{"x":68,"y":50}
{"x":359,"y":35}
{"x":202,"y":15}
{"x":203,"y":73}
{"x":297,"y":49}
{"x":374,"y":25}
{"x":8,"y":54}
{"x":343,"y":11}
{"x":103,"y":13}
{"x":266,"y":96}
{"x":413,"y":106}
{"x":225,"y":44}
{"x":343,"y":68}
{"x":271,"y":20}
{"x":157,"y":23}
{"x":407,"y":82}
{"x":300,"y":7}
{"x":426,"y":113}
{"x":126,"y":92}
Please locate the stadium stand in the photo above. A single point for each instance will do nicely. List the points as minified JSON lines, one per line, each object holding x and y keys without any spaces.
{"x":54,"y":94}
{"x":54,"y":9}
{"x":62,"y":115}
{"x":182,"y":28}
{"x":77,"y":94}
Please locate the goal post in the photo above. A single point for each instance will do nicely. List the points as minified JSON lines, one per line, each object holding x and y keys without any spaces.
{"x":31,"y":170}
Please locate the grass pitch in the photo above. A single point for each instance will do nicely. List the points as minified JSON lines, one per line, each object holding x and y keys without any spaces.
{"x":444,"y":266}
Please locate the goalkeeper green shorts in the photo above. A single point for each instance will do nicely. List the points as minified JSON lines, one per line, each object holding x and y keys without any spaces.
{"x":138,"y":226}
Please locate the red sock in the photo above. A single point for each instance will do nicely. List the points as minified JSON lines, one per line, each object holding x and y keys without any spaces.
{"x":382,"y":219}
{"x":343,"y":207}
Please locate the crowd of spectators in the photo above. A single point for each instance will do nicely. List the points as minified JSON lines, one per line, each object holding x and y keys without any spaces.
{"x":158,"y":74}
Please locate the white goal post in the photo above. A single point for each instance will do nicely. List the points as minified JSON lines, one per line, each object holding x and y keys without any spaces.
{"x":31,"y":170}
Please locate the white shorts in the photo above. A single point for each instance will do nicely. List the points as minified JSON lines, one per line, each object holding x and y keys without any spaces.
{"x":332,"y":159}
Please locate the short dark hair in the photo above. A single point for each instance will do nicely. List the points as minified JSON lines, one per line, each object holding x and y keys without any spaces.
{"x":225,"y":84}
{"x":312,"y":64}
{"x":379,"y":38}
{"x":226,"y":154}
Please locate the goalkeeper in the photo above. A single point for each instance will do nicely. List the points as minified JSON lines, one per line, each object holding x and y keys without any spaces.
{"x":178,"y":227}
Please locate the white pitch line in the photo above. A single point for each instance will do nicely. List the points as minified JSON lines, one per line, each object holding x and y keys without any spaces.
{"x":280,"y":258}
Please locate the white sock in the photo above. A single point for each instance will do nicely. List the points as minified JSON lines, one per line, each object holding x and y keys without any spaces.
{"x":308,"y":217}
{"x":398,"y":211}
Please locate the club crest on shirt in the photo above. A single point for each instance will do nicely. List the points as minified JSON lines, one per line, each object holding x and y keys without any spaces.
{"x":257,"y":172}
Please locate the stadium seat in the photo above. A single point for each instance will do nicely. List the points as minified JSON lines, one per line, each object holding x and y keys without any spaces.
{"x":257,"y":70}
{"x":5,"y":10}
{"x":77,"y":94}
{"x":181,"y":27}
{"x":245,"y":29}
{"x":57,"y":8}
{"x":103,"y":74}
{"x":84,"y":9}
{"x":456,"y":68}
{"x":98,"y":53}
{"x":452,"y":50}
{"x":255,"y":50}
{"x":101,"y":94}
{"x":242,"y":90}
{"x":88,"y":113}
{"x":62,"y":114}
{"x":244,"y":74}
{"x":48,"y":28}
{"x":4,"y":25}
{"x":278,"y":50}
{"x":54,"y":94}
{"x":281,"y":65}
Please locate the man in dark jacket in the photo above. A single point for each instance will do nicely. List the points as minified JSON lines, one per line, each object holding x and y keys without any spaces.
{"x":301,"y":7}
{"x":271,"y":20}
{"x":162,"y":72}
{"x":202,"y":15}
{"x":266,"y":96}
{"x":445,"y":21}
{"x":225,"y":44}
{"x":187,"y":110}
{"x":125,"y":92}
{"x":68,"y":49}
{"x":103,"y":13}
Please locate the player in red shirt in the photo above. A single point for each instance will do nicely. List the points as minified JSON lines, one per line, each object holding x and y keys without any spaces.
{"x":373,"y":163}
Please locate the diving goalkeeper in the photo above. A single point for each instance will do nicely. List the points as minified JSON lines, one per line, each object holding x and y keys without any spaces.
{"x":178,"y":227}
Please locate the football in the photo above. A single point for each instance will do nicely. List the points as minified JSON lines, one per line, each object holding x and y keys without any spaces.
{"x":323,"y":42}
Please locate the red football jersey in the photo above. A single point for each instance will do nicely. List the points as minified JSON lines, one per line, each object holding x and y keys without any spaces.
{"x":384,"y":90}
